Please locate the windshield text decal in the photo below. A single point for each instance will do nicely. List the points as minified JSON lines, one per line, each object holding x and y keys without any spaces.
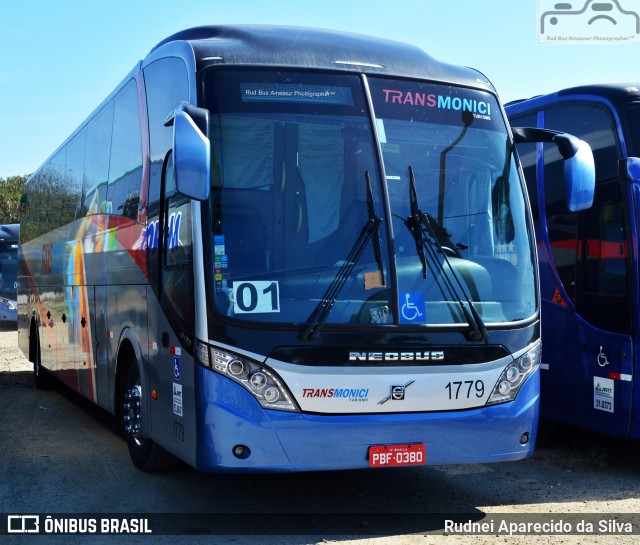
{"x":431,"y":100}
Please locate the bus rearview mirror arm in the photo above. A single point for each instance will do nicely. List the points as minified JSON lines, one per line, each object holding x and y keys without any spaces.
{"x":579,"y":166}
{"x":191,"y":150}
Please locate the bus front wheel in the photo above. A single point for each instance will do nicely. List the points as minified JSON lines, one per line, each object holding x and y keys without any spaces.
{"x":145,"y":453}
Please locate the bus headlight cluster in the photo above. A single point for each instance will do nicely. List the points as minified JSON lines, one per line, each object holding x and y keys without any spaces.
{"x":513,"y":377}
{"x":263,"y":383}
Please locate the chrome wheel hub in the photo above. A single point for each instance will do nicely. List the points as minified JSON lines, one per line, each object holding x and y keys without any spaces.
{"x":132,"y":411}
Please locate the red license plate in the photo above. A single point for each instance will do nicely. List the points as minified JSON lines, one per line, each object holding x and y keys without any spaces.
{"x":397,"y":455}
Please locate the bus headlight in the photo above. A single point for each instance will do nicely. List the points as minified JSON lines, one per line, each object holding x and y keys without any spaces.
{"x":513,"y":377}
{"x":263,"y":383}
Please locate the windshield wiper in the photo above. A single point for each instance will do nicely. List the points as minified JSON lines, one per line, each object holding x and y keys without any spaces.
{"x":318,"y":317}
{"x":420,"y":224}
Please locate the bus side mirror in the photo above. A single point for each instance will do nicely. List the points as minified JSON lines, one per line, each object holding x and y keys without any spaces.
{"x":580,"y":178}
{"x":630,"y":169}
{"x":579,"y":166}
{"x":191,"y":151}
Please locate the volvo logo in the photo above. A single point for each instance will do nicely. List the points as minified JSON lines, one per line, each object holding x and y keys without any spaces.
{"x":397,"y":393}
{"x":427,"y":355}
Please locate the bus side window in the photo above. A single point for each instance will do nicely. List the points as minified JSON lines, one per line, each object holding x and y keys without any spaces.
{"x":125,"y":167}
{"x":166,"y":85}
{"x":96,"y":165}
{"x":528,"y":156}
{"x":75,"y":170}
{"x":599,"y":262}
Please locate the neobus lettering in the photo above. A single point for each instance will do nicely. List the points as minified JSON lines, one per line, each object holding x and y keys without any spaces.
{"x":428,"y":355}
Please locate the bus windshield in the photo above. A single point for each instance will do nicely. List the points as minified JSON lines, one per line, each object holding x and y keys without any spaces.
{"x":297,"y":181}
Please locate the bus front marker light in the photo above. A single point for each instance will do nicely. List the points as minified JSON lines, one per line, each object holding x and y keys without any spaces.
{"x":524,"y":438}
{"x":202,"y":354}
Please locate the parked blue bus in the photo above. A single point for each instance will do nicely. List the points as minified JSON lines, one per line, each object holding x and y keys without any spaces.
{"x":9,"y":235}
{"x":589,"y":268}
{"x":286,"y":249}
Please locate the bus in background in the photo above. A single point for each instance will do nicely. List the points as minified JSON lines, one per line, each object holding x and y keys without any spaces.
{"x":9,"y":235}
{"x":589,"y":268}
{"x":285,"y":249}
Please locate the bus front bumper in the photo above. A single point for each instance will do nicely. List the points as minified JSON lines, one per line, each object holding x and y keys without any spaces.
{"x":276,"y":441}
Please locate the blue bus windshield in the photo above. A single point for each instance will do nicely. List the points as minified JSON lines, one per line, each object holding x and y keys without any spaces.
{"x":292,"y":153}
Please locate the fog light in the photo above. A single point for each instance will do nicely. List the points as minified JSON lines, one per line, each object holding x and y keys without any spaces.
{"x":241,"y":451}
{"x":524,"y":438}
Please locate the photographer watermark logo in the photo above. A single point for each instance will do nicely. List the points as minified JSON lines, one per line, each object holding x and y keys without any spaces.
{"x":590,"y":22}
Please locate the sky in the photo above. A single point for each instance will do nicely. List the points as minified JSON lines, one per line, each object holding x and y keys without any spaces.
{"x":60,"y":59}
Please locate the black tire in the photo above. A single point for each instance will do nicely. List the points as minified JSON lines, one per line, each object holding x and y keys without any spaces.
{"x":145,"y":454}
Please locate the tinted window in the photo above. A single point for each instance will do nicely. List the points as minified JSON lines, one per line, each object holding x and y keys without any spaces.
{"x":166,"y":85}
{"x":590,"y":249}
{"x":562,"y":226}
{"x":594,"y":124}
{"x":125,"y":167}
{"x":97,"y":161}
{"x":75,"y":169}
{"x":631,"y":122}
{"x":527,"y":154}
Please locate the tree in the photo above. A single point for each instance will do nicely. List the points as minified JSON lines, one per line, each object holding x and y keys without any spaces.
{"x":10,"y":192}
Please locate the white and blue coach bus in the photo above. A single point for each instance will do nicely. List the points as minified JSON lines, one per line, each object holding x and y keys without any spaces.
{"x":286,"y":249}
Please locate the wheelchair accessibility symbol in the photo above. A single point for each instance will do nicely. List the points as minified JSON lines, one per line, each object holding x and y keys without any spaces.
{"x":602,"y":358}
{"x":412,"y":308}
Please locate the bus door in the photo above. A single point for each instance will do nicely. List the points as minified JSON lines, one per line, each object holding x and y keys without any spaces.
{"x":587,"y":295}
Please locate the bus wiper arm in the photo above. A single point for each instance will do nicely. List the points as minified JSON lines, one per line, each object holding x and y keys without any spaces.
{"x":420,"y":224}
{"x":414,"y":222}
{"x":318,"y":317}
